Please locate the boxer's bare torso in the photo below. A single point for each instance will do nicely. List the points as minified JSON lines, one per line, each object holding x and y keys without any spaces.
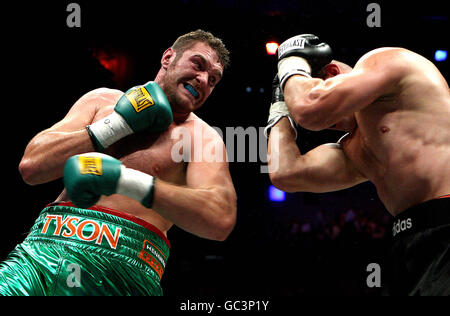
{"x":395,"y":105}
{"x":195,"y":194}
{"x":402,"y":140}
{"x":149,"y":153}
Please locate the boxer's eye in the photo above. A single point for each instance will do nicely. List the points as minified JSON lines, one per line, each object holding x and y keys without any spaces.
{"x":213,"y":81}
{"x":197,"y":65}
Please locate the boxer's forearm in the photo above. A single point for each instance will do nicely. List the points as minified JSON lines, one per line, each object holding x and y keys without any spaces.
{"x":282,"y":152}
{"x":206,"y":212}
{"x":304,"y":106}
{"x":317,"y":104}
{"x":45,"y":155}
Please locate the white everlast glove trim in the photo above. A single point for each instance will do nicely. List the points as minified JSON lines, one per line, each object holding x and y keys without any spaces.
{"x":290,"y":66}
{"x":277,"y":111}
{"x":134,"y":184}
{"x":339,"y":142}
{"x":342,"y":138}
{"x":110,"y":129}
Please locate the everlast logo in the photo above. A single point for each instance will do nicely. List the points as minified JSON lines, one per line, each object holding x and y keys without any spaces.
{"x":86,"y":230}
{"x":401,"y":226}
{"x":295,"y":43}
{"x":140,"y":99}
{"x":90,"y":165}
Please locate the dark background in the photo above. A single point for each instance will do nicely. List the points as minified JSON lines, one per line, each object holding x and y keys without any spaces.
{"x":311,"y":244}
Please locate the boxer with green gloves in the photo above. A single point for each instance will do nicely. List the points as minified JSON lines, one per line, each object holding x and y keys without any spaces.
{"x":106,"y":233}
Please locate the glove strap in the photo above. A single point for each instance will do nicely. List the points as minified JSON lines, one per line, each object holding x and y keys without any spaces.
{"x":108,"y":130}
{"x":291,"y":66}
{"x":136,"y":185}
{"x":275,"y":120}
{"x":97,"y":146}
{"x":291,"y":73}
{"x":278,"y":110}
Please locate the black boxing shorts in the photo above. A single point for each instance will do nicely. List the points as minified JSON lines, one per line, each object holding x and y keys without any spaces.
{"x":420,"y":255}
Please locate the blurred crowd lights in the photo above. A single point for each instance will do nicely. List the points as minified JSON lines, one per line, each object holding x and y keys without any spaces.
{"x":440,"y":55}
{"x":276,"y":195}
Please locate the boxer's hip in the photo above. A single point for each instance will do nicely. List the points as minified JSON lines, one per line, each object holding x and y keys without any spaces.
{"x":421,"y":249}
{"x":423,"y":216}
{"x":100,"y":251}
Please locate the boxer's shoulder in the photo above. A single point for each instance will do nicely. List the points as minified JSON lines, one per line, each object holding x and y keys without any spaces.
{"x":395,"y":60}
{"x":391,"y":67}
{"x":383,"y":60}
{"x":100,"y":99}
{"x":198,"y":127}
{"x":103,"y":93}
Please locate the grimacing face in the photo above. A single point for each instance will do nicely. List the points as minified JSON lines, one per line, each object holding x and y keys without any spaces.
{"x":191,"y":78}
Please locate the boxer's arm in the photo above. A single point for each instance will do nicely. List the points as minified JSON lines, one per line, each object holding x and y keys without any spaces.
{"x":322,"y":169}
{"x":46,"y":153}
{"x":206,"y":206}
{"x":318,"y":104}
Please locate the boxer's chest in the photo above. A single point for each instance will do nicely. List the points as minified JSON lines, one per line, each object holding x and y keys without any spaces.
{"x":153,"y":154}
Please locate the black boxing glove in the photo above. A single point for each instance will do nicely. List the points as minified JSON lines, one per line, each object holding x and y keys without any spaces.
{"x":302,"y":55}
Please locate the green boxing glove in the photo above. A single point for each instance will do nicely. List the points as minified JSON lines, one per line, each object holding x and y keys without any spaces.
{"x":140,"y":108}
{"x":89,"y":176}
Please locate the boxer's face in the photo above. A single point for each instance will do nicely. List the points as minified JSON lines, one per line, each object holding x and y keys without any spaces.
{"x":191,"y":77}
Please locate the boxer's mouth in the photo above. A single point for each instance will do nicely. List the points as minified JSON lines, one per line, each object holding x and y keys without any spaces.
{"x":191,"y":90}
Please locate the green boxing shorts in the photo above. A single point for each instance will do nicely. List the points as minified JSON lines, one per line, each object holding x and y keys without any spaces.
{"x":96,"y":251}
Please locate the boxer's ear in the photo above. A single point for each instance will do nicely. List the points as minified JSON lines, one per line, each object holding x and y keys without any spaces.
{"x":330,"y":71}
{"x":167,"y":57}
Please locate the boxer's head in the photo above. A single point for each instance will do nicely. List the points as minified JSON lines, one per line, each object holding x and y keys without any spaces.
{"x":190,"y":70}
{"x":347,"y":123}
{"x":333,"y":69}
{"x":188,"y":40}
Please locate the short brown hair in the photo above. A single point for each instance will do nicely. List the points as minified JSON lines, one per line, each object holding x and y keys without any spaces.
{"x":187,"y":40}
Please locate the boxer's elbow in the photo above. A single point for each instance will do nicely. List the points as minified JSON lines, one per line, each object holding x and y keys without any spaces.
{"x":224,"y":228}
{"x":36,"y":172}
{"x":282,"y":180}
{"x":227,"y":223}
{"x":29,"y":171}
{"x":310,"y":112}
{"x":225,"y":219}
{"x":294,"y":178}
{"x":310,"y":118}
{"x":282,"y":184}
